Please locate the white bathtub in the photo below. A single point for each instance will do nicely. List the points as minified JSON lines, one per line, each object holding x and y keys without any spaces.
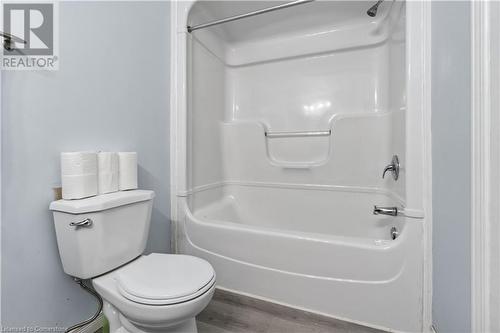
{"x":289,"y":218}
{"x":308,"y":247}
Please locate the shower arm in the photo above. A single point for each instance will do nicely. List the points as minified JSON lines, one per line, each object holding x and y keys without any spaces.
{"x":241,"y":16}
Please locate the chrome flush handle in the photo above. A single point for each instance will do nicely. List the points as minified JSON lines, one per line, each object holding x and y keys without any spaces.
{"x":84,"y":223}
{"x":393,"y":168}
{"x":9,"y":40}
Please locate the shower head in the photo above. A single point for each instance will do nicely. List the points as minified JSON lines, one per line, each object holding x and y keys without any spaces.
{"x":372,"y":12}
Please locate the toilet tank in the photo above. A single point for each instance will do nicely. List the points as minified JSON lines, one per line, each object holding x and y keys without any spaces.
{"x":96,"y":235}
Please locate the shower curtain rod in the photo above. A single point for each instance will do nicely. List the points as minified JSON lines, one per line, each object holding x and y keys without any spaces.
{"x":254,"y":13}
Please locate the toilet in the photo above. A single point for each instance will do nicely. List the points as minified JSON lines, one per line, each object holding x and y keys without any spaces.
{"x":102,"y":238}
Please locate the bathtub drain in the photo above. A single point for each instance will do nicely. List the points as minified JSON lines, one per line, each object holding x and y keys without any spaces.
{"x":394,"y":233}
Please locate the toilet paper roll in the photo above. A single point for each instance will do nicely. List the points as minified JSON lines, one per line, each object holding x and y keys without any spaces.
{"x":127,"y":171}
{"x":107,"y":182}
{"x":107,"y":162}
{"x":107,"y":165}
{"x":79,"y":186}
{"x":78,"y":163}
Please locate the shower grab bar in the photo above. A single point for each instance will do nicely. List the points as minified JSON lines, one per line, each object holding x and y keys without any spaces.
{"x":297,"y":134}
{"x":249,"y":14}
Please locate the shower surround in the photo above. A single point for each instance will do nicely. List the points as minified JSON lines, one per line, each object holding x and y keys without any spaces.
{"x":283,"y":125}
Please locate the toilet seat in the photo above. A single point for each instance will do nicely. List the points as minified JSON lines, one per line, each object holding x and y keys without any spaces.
{"x":163,"y":279}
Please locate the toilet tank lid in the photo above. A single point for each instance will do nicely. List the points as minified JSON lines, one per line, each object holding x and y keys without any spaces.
{"x":101,"y":202}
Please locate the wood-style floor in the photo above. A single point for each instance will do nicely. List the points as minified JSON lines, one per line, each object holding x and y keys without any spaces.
{"x":232,"y":313}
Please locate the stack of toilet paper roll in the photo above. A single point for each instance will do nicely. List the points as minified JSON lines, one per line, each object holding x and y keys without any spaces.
{"x":85,"y":174}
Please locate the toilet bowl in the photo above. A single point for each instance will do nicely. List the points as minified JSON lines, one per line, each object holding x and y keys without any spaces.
{"x":156,"y":293}
{"x":102,"y":238}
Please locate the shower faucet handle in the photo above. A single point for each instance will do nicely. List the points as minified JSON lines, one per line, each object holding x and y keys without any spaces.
{"x":393,"y":168}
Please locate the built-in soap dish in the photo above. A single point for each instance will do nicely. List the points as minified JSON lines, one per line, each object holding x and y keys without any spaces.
{"x":298,"y":149}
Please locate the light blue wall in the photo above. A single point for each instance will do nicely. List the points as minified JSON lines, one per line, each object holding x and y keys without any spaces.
{"x":451,"y":165}
{"x":111,"y":93}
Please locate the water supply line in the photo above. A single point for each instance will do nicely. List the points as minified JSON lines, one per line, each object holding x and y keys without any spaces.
{"x":99,"y":309}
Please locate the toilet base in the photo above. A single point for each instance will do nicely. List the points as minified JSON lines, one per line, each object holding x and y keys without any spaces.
{"x":119,"y":324}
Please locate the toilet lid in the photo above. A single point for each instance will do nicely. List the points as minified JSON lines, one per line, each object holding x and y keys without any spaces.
{"x":162,"y":279}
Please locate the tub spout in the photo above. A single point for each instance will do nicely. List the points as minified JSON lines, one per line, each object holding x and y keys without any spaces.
{"x":391,"y":211}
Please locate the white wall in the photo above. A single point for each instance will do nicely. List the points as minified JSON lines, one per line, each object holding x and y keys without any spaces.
{"x":111,"y":93}
{"x":451,"y":166}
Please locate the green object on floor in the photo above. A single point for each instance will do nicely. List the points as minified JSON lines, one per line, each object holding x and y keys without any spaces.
{"x":105,"y":325}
